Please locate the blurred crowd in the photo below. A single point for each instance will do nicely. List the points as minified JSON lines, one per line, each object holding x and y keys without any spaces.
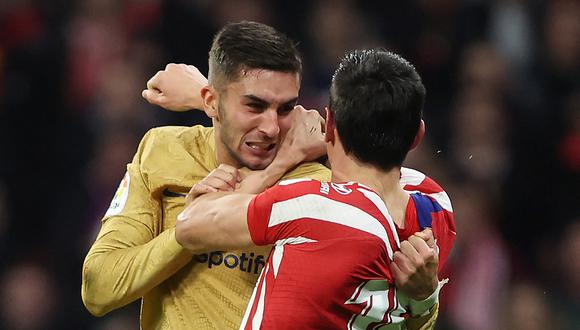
{"x":503,"y":136}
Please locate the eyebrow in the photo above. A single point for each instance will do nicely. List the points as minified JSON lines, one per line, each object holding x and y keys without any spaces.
{"x":260,"y":100}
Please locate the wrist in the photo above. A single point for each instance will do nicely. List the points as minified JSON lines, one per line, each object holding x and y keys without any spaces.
{"x":422,"y":307}
{"x":426,"y":291}
{"x":286,"y":162}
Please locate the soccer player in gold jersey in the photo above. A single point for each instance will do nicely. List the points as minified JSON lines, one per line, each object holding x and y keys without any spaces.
{"x":253,"y":86}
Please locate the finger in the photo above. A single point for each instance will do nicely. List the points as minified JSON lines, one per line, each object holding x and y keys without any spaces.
{"x":153,"y":83}
{"x":228,"y":168}
{"x":426,"y":234}
{"x":298,"y":107}
{"x":403,"y":262}
{"x":427,"y":253}
{"x":197,"y":190}
{"x":203,"y":189}
{"x":171,"y":66}
{"x":218,"y":183}
{"x":226,"y":175}
{"x":200,"y":187}
{"x":398,"y":275}
{"x":236,"y":176}
{"x":153,"y":96}
{"x":420,"y":245}
{"x":410,"y":252}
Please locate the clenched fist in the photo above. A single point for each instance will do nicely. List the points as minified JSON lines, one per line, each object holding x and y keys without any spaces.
{"x":305,"y":139}
{"x":415,"y":265}
{"x":177,"y":88}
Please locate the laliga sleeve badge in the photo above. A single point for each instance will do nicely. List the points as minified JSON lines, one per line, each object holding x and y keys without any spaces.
{"x":120,"y":197}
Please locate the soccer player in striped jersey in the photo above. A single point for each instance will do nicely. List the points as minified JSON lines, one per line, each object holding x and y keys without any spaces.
{"x":337,"y":250}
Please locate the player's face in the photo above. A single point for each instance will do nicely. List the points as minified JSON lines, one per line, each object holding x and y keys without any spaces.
{"x":254,"y":116}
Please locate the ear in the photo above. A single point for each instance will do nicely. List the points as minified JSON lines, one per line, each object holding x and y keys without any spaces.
{"x":210,"y":99}
{"x":329,"y":126}
{"x":419,"y":136}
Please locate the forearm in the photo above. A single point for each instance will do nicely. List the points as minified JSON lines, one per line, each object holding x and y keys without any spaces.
{"x":115,"y":273}
{"x":258,"y":181}
{"x":214,"y":221}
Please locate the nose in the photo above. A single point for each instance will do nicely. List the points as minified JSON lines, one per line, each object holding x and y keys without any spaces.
{"x":269,"y":125}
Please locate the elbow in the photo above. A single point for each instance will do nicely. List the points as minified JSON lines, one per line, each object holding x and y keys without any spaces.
{"x":192,"y":233}
{"x":93,"y":306}
{"x":94,"y":300}
{"x":181,"y":235}
{"x":186,"y":235}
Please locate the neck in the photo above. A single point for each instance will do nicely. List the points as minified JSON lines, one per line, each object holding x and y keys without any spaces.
{"x":384,"y":183}
{"x":222,"y":154}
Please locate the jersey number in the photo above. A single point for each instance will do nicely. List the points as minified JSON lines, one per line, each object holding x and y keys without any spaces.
{"x":379,"y":297}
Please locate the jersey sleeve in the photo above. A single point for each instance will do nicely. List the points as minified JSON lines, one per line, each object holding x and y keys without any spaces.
{"x":263,"y":229}
{"x":130,"y":256}
{"x":425,"y":322}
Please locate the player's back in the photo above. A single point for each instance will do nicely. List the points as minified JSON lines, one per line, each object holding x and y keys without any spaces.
{"x":329,"y":267}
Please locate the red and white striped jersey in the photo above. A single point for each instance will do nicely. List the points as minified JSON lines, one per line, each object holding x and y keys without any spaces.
{"x":429,"y":206}
{"x":329,"y":267}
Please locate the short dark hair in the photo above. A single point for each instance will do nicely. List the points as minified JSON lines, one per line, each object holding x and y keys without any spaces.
{"x":250,"y":45}
{"x":377,"y":99}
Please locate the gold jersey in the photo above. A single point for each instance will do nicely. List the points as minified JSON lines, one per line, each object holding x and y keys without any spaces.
{"x":136,"y":255}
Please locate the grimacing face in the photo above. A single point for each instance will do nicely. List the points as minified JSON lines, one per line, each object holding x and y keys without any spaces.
{"x":254,"y":115}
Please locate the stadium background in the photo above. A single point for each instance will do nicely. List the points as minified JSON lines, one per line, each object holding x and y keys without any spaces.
{"x":502,"y":113}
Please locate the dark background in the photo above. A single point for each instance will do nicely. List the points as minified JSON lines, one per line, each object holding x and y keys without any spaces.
{"x":503,"y":136}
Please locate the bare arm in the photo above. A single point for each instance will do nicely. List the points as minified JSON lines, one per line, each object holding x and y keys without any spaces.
{"x":177,"y":88}
{"x":215,"y":221}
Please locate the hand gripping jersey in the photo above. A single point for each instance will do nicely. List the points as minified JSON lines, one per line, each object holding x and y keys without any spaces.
{"x":333,"y":242}
{"x":136,"y":255}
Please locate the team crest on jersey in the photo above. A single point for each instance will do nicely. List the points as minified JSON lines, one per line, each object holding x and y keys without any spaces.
{"x":120,"y":198}
{"x":341,"y":188}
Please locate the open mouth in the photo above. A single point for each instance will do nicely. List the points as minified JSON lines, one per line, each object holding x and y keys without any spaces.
{"x":261,"y":146}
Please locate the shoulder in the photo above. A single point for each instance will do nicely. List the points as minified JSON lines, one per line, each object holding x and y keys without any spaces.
{"x":413,"y":178}
{"x":299,"y":186}
{"x":310,"y":170}
{"x":415,"y":181}
{"x":175,"y":135}
{"x":175,"y":154}
{"x":291,"y":189}
{"x":311,"y":189}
